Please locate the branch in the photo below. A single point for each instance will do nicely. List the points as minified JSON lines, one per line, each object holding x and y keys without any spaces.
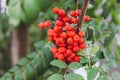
{"x":83,"y":12}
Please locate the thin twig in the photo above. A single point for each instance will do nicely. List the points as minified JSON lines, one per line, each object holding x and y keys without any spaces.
{"x":83,"y":12}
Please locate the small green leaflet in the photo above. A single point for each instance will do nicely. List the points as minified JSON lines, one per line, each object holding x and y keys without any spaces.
{"x":73,"y":77}
{"x":74,"y":65}
{"x":59,"y":63}
{"x":56,"y":77}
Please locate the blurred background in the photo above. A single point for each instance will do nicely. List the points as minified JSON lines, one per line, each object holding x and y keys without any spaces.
{"x":19,"y":25}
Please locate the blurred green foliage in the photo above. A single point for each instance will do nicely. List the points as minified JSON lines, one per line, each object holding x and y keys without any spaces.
{"x":32,"y":11}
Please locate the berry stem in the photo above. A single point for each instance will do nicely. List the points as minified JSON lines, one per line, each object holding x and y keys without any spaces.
{"x":83,"y":12}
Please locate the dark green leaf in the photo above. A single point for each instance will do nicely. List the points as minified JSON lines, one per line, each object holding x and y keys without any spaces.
{"x":59,"y":63}
{"x":19,"y":76}
{"x":39,"y":44}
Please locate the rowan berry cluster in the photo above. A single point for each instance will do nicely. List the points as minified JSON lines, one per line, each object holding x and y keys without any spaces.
{"x":64,"y":34}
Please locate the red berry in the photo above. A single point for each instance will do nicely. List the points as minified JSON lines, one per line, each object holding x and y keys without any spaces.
{"x":86,"y":18}
{"x":74,"y":20}
{"x":60,"y":57}
{"x":78,"y":12}
{"x":81,"y":33}
{"x":64,"y":35}
{"x":56,"y":10}
{"x":42,"y":25}
{"x":47,"y":23}
{"x":76,"y":38}
{"x":69,"y":40}
{"x":77,"y":59}
{"x":66,"y":19}
{"x":62,"y":12}
{"x":73,"y":13}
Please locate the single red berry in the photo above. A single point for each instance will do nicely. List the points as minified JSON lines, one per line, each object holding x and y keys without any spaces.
{"x":73,"y":13}
{"x":64,"y":35}
{"x":75,"y":48}
{"x":57,"y":29}
{"x":56,"y":10}
{"x":78,"y":12}
{"x":60,"y":57}
{"x":47,"y":23}
{"x":81,"y":33}
{"x":66,"y":19}
{"x":82,"y":45}
{"x":70,"y":41}
{"x":50,"y":38}
{"x":60,"y":18}
{"x":77,"y":59}
{"x":74,"y":20}
{"x":70,"y":46}
{"x":62,"y":50}
{"x":86,"y":18}
{"x":68,"y":28}
{"x":62,"y":12}
{"x":76,"y":38}
{"x":54,"y":50}
{"x":71,"y":34}
{"x":42,"y":25}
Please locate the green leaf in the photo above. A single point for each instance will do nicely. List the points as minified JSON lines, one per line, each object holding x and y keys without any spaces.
{"x":82,"y":53}
{"x":73,"y":77}
{"x":59,"y":63}
{"x":39,"y":44}
{"x":28,"y":67}
{"x":56,"y":77}
{"x":108,"y":40}
{"x":104,"y":77}
{"x":116,"y":76}
{"x":74,"y":65}
{"x":92,"y":73}
{"x":84,"y":60}
{"x":19,"y":76}
{"x":105,"y":67}
{"x":106,"y":54}
{"x":95,"y":49}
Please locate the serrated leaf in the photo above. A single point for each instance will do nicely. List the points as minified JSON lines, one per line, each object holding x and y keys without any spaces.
{"x":59,"y":63}
{"x":95,"y":49}
{"x":23,"y":61}
{"x":84,"y":60}
{"x":74,"y":65}
{"x":73,"y":77}
{"x":39,"y":44}
{"x":92,"y":73}
{"x":19,"y":76}
{"x":56,"y":77}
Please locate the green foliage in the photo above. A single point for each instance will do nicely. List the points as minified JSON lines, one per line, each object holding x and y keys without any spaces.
{"x":74,"y":65}
{"x":27,"y":11}
{"x":56,"y":77}
{"x":73,"y":77}
{"x":30,"y":66}
{"x":92,"y":73}
{"x":59,"y":63}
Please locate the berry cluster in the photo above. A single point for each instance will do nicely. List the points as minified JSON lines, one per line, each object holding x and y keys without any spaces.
{"x":64,"y":34}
